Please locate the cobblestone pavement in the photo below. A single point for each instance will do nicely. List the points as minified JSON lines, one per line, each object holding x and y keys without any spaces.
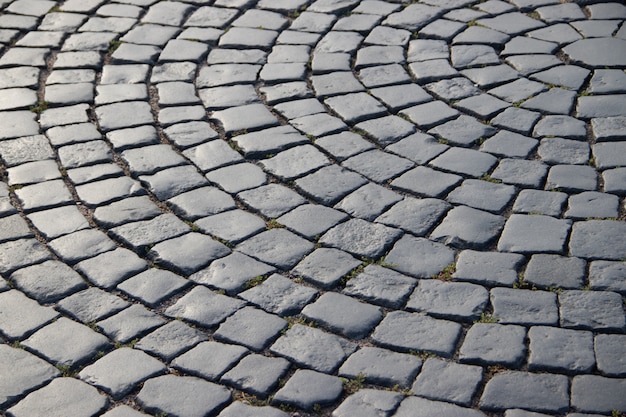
{"x":312,"y":207}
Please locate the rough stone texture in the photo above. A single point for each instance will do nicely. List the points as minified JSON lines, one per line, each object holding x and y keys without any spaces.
{"x":307,"y":388}
{"x":494,"y":344}
{"x":381,"y":366}
{"x":597,"y":394}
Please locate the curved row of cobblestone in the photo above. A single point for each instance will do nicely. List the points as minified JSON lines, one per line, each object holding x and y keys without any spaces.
{"x":315,"y":207}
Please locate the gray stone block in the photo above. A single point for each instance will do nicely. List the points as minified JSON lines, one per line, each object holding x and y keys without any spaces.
{"x":381,"y":286}
{"x":120,"y":371}
{"x":21,"y":316}
{"x":204,"y":307}
{"x":597,"y":394}
{"x":67,"y":343}
{"x":183,"y":396}
{"x":399,"y":330}
{"x":427,"y":182}
{"x":277,"y":247}
{"x":532,"y":234}
{"x":325,"y":267}
{"x":381,"y":367}
{"x":153,"y":286}
{"x":344,"y":315}
{"x":250,"y":327}
{"x":448,"y":381}
{"x":449,"y":300}
{"x":607,"y":275}
{"x":272,"y":200}
{"x":421,"y":407}
{"x":525,"y":307}
{"x":46,"y":221}
{"x":534,"y":392}
{"x":256,"y":374}
{"x":92,"y":304}
{"x":598,"y":239}
{"x":110,"y":268}
{"x":494,"y":344}
{"x":610,"y":354}
{"x":591,"y":310}
{"x":307,"y":388}
{"x":369,"y":403}
{"x":482,"y":195}
{"x":368,"y":201}
{"x":188,"y":253}
{"x":279,"y":295}
{"x":549,"y":203}
{"x":554,"y":271}
{"x":48,"y":282}
{"x":361,"y":238}
{"x":21,"y":253}
{"x":311,"y":220}
{"x":130,"y":324}
{"x":465,"y":227}
{"x":419,"y":257}
{"x":209,"y":360}
{"x":330,"y":184}
{"x":62,"y":397}
{"x":561,"y":350}
{"x":313,"y":348}
{"x":21,"y":372}
{"x":170,"y":340}
{"x":240,"y":409}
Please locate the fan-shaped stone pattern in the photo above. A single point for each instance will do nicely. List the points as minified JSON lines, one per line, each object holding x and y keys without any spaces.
{"x":450,"y":139}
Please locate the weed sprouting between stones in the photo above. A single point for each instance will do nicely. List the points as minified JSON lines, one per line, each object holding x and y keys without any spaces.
{"x":446,"y":273}
{"x":486,"y":318}
{"x":253,"y":282}
{"x":352,"y":385}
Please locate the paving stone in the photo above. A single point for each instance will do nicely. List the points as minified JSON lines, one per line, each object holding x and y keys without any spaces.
{"x":44,"y":195}
{"x":516,"y":119}
{"x":592,"y":204}
{"x":488,"y":268}
{"x":465,"y":228}
{"x":307,"y":388}
{"x":174,"y":394}
{"x":605,"y":275}
{"x":597,"y":394}
{"x":463,"y":131}
{"x":325,"y":267}
{"x":311,"y":220}
{"x":609,"y":351}
{"x":124,"y":115}
{"x":21,"y":316}
{"x":240,"y":409}
{"x":204,"y":307}
{"x":66,"y":343}
{"x":535,"y":392}
{"x":482,"y":195}
{"x":110,"y":268}
{"x":427,"y":182}
{"x":232,"y":226}
{"x":361,"y":238}
{"x":494,"y":344}
{"x":295,"y":162}
{"x":130,"y":324}
{"x":330,"y":184}
{"x":138,"y":136}
{"x":592,"y":310}
{"x":123,"y":411}
{"x":83,"y":175}
{"x":597,"y":239}
{"x":48,"y":282}
{"x":277,"y":247}
{"x":343,"y":314}
{"x":238,"y":177}
{"x":417,"y":216}
{"x":399,"y":330}
{"x":81,"y":245}
{"x":381,"y":286}
{"x":201,"y":202}
{"x":369,"y":403}
{"x":14,"y":227}
{"x":170,"y":340}
{"x":250,"y":327}
{"x":143,"y":233}
{"x":607,"y":81}
{"x":133,"y":367}
{"x":368,"y":201}
{"x":256,"y":374}
{"x":419,"y":148}
{"x":450,"y":382}
{"x":381,"y":366}
{"x":188,"y":253}
{"x":259,"y":144}
{"x":292,"y":297}
{"x":127,"y":210}
{"x":22,"y":372}
{"x":92,"y":304}
{"x":440,"y":299}
{"x":533,"y":234}
{"x":25,"y":149}
{"x":572,"y":178}
{"x":561,"y":350}
{"x":209,"y":360}
{"x":563,"y":151}
{"x":272,"y":200}
{"x":427,"y":259}
{"x":150,"y":159}
{"x":398,"y":97}
{"x":421,"y":407}
{"x":608,"y":155}
{"x":313,"y":348}
{"x":21,"y":253}
{"x":554,"y":271}
{"x":62,"y":397}
{"x":525,"y":307}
